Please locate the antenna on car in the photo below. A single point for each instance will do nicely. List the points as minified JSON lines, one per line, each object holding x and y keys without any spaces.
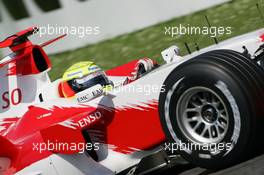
{"x":197,"y":47}
{"x":209,"y":24}
{"x":188,"y":48}
{"x":260,"y":12}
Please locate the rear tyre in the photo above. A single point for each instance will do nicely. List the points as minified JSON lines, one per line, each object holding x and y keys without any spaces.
{"x":211,"y":107}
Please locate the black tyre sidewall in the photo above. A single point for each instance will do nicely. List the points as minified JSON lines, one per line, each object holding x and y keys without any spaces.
{"x":206,"y":74}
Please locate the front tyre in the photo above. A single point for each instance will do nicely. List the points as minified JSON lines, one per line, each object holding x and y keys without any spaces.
{"x":210,"y":108}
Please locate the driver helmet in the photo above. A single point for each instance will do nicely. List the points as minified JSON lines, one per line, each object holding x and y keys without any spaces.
{"x":82,"y":76}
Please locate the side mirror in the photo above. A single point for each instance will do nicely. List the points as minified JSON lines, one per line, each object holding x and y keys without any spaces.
{"x":171,"y":54}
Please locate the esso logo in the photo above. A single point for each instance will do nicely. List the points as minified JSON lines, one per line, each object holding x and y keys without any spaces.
{"x":13,"y":98}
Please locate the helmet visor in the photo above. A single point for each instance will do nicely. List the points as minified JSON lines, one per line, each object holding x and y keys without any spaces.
{"x":80,"y":84}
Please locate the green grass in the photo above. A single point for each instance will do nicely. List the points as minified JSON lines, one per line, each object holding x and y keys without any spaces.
{"x":241,"y":15}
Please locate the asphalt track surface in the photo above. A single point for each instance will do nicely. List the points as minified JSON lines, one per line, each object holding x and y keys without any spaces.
{"x":254,"y":166}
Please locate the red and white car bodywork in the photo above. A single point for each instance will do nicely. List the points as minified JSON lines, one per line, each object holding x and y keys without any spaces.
{"x":123,"y":126}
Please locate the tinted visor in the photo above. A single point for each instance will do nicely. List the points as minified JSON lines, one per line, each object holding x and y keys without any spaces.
{"x":80,"y":84}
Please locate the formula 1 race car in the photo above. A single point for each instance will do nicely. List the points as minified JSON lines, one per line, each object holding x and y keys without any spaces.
{"x":206,"y":107}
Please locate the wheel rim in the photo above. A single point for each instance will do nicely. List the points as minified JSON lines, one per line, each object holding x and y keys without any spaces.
{"x":202,"y":115}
